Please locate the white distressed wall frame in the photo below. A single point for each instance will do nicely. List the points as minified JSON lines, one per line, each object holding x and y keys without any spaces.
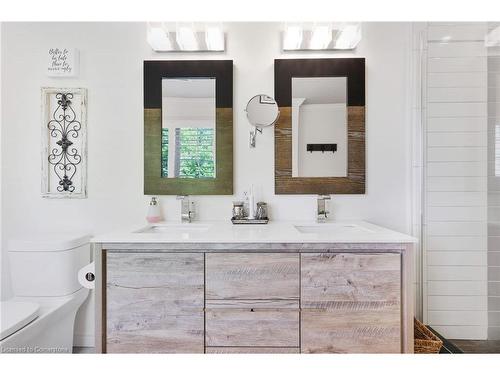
{"x":64,"y":142}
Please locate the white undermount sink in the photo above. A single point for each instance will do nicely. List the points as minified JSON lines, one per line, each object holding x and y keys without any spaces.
{"x":177,"y":229}
{"x":332,"y":228}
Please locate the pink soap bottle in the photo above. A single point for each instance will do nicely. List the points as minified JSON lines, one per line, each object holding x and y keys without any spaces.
{"x":154,"y":214}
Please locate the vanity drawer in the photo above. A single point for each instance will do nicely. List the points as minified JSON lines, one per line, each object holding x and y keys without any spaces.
{"x":252,"y":276}
{"x":252,"y":323}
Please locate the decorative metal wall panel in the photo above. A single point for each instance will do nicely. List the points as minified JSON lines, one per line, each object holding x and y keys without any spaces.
{"x":64,"y":143}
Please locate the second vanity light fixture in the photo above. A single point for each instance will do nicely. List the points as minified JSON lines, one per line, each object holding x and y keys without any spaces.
{"x":186,"y":37}
{"x":321,"y":36}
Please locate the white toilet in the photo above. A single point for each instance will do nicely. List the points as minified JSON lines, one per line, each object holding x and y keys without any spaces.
{"x":41,"y":316}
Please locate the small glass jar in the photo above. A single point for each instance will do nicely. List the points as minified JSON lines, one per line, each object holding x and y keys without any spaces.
{"x":238,"y":210}
{"x":261,"y":211}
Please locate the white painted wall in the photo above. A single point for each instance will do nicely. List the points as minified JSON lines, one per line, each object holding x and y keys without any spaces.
{"x":111,"y":68}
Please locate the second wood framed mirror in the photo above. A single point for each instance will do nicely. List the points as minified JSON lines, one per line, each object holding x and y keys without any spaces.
{"x":320,"y":135}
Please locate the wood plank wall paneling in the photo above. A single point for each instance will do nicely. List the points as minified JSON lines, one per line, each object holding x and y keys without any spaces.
{"x":456,"y":213}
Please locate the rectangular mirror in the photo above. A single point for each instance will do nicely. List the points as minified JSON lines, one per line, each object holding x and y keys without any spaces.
{"x":188,"y":127}
{"x":319,"y":139}
{"x":319,"y":127}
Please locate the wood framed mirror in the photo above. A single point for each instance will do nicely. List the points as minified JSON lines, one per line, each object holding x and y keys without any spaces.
{"x":319,"y":143}
{"x":188,"y":127}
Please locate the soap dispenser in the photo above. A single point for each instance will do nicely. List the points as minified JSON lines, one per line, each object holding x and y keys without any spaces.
{"x":154,"y":214}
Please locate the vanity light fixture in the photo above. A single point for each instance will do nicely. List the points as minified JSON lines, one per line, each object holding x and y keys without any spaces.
{"x":292,"y":38}
{"x":159,"y":39}
{"x":321,"y":37}
{"x":187,"y":37}
{"x":348,"y":37}
{"x":214,"y":38}
{"x":318,"y":37}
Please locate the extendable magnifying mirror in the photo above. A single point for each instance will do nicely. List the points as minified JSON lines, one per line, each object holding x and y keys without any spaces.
{"x":262,"y":111}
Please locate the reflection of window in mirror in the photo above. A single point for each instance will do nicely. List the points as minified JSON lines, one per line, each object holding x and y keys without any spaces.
{"x":188,"y":128}
{"x":319,"y":127}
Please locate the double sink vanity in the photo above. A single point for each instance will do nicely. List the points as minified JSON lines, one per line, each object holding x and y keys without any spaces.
{"x":214,"y":287}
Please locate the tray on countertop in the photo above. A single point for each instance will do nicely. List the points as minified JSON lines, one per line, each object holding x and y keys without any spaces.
{"x":249,"y":221}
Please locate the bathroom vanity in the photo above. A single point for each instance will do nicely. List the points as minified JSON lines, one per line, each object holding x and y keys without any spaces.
{"x":277,"y":288}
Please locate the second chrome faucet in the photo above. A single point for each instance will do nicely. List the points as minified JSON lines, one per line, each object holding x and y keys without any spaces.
{"x":322,"y":212}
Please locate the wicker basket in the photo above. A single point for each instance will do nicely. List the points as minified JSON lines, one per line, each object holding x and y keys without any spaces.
{"x":426,"y":342}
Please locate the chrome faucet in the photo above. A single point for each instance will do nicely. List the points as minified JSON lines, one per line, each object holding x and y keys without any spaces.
{"x":322,"y":212}
{"x":187,"y":208}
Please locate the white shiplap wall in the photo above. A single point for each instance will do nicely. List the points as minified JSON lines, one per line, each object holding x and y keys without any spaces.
{"x":493,"y":189}
{"x":455,"y":211}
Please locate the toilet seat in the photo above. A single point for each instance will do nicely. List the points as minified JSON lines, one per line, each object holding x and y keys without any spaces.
{"x":16,"y":315}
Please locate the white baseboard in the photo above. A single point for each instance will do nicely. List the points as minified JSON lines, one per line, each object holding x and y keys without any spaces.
{"x":83,"y":340}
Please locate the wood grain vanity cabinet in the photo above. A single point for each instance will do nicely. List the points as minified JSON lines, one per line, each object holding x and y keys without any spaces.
{"x":293,"y":299}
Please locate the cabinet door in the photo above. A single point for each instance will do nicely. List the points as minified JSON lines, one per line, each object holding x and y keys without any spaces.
{"x":154,"y":303}
{"x":350,"y":303}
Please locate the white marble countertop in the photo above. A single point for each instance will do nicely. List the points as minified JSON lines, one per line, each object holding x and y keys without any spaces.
{"x":274,"y":232}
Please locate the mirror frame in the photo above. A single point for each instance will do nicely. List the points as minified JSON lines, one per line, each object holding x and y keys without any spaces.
{"x":354,"y":70}
{"x":154,"y":71}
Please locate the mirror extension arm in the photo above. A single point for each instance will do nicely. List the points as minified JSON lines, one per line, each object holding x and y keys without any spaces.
{"x":253,"y":134}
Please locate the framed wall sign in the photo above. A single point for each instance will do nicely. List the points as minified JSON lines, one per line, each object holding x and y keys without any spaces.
{"x":62,"y":62}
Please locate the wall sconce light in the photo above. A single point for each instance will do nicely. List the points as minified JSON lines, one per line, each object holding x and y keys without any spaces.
{"x":318,"y":37}
{"x":186,"y":37}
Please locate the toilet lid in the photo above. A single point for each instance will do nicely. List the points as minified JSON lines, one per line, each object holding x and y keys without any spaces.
{"x":15,"y":315}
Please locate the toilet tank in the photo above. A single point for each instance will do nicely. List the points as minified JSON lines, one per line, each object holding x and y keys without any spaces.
{"x":47,"y":265}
